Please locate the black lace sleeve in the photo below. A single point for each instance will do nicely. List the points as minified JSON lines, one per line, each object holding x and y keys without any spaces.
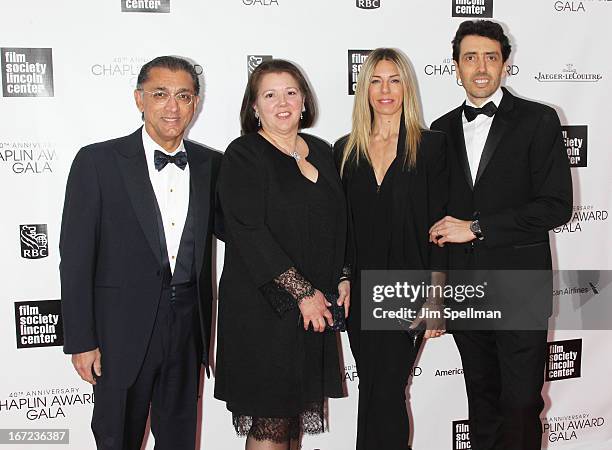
{"x":287,"y":290}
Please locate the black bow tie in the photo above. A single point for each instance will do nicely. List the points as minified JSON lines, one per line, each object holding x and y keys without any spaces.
{"x":471,"y":113}
{"x":161,"y":159}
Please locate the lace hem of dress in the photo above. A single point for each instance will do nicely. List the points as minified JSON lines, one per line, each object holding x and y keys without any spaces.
{"x":281,"y":429}
{"x":287,"y":291}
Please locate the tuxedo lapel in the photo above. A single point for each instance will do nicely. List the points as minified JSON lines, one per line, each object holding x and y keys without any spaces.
{"x":135,"y":174}
{"x":459,"y":140}
{"x":200,"y":189}
{"x":500,"y":125}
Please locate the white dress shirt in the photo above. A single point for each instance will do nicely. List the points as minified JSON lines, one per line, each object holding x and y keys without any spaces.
{"x":171,"y":187}
{"x":475,"y":132}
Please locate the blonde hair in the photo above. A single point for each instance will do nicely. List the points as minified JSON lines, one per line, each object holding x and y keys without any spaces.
{"x":357,"y":144}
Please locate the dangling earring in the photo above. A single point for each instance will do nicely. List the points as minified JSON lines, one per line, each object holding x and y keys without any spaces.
{"x":258,"y":119}
{"x":302,"y":113}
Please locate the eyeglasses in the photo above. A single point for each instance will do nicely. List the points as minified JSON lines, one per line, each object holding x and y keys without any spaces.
{"x":162,"y":97}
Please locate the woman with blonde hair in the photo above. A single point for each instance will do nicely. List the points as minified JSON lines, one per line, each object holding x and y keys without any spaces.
{"x":395,"y":180}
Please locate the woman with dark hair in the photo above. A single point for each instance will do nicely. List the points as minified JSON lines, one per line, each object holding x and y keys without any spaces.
{"x":285,"y":225}
{"x":395,"y":180}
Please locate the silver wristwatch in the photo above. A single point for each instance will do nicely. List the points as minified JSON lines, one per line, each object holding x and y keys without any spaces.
{"x":475,"y":228}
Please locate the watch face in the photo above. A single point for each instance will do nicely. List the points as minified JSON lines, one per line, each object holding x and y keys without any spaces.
{"x":475,"y":228}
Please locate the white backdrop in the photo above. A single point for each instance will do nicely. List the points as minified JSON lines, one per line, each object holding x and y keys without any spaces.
{"x":560,"y":57}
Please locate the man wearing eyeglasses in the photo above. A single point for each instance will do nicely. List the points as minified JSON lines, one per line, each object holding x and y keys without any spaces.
{"x":136,"y":256}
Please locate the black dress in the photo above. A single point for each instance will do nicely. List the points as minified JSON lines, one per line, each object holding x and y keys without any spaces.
{"x":283,"y":233}
{"x":389,"y":230}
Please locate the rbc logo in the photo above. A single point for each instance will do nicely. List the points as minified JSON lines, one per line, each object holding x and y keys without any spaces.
{"x":34,"y":242}
{"x":368,"y":4}
{"x":254,"y":60}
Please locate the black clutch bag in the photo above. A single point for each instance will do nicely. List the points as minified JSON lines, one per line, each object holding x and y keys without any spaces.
{"x":337,"y":312}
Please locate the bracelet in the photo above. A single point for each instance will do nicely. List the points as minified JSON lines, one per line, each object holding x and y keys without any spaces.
{"x":345,"y":274}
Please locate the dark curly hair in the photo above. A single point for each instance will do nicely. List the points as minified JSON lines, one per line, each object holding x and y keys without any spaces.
{"x":485,"y":28}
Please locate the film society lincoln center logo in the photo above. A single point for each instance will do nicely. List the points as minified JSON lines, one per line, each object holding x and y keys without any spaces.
{"x":356,"y":58}
{"x":564,"y":360}
{"x":575,"y":140}
{"x":39,"y":324}
{"x":34,"y":241}
{"x":149,"y":6}
{"x":461,"y":435}
{"x":27,"y":72}
{"x":472,"y":8}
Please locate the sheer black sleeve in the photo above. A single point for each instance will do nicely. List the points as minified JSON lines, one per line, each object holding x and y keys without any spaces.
{"x":287,"y":290}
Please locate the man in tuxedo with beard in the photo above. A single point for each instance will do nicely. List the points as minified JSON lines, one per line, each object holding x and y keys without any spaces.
{"x":510,"y":184}
{"x":136,"y":256}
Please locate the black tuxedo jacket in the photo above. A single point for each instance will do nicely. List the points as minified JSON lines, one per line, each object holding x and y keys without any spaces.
{"x":111,"y":264}
{"x":523,"y":189}
{"x":523,"y":186}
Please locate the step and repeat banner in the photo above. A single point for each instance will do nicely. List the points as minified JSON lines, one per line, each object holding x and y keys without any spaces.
{"x":68,"y":72}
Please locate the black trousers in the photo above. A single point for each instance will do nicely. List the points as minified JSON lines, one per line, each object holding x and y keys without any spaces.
{"x":384,"y":361}
{"x":166,"y":386}
{"x":504,"y":375}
